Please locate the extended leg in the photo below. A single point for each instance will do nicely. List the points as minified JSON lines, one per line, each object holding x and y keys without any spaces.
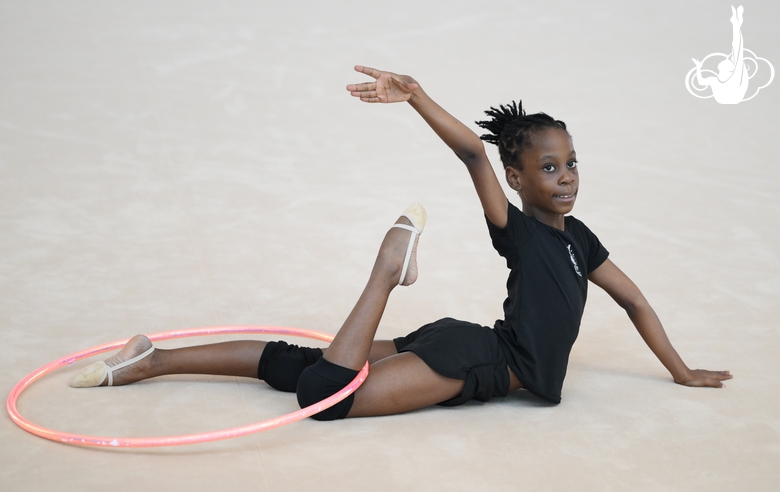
{"x":237,"y":358}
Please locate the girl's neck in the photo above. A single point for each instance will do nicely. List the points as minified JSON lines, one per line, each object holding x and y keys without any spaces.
{"x":552,"y":220}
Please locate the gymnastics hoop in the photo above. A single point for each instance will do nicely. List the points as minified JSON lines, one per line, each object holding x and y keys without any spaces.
{"x":139,"y":442}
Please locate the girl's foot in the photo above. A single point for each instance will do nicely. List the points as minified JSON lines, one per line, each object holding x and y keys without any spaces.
{"x":132,"y":363}
{"x":399,"y":250}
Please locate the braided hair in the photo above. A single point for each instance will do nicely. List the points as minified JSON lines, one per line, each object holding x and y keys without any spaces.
{"x":512,"y":130}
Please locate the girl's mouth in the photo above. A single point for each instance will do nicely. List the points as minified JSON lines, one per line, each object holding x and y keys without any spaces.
{"x":566,"y":197}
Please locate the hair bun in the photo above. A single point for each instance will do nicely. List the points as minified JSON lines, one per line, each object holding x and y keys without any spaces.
{"x":500,"y":118}
{"x":511,"y":129}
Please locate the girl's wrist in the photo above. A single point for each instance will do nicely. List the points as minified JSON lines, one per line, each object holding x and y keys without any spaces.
{"x":416,"y":95}
{"x":682,"y":376}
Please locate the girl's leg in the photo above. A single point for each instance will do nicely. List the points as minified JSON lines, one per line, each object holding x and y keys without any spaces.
{"x":353,"y":342}
{"x":397,"y":383}
{"x":352,"y":346}
{"x":402,"y":383}
{"x":236,"y":358}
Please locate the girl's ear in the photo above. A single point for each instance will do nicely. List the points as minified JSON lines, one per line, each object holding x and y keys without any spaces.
{"x":513,"y":178}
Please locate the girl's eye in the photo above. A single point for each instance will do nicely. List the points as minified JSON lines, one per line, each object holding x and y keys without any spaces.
{"x":571,"y":164}
{"x":548,"y":168}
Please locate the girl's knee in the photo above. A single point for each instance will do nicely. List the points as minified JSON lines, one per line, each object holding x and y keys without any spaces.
{"x":281,"y":364}
{"x":321,"y":380}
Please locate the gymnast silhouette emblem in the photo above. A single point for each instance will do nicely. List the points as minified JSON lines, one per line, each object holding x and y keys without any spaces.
{"x":573,"y":260}
{"x":735,"y":71}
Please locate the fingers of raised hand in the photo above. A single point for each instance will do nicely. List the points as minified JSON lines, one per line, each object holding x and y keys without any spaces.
{"x":366,"y":86}
{"x":365,"y":91}
{"x":371,"y":72}
{"x":367,"y":96}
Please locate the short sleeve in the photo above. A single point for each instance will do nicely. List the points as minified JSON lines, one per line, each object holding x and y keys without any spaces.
{"x":595,"y":252}
{"x":508,"y":241}
{"x":599,"y":256}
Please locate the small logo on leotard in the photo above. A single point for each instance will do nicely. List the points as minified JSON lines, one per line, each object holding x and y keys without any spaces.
{"x":573,"y":260}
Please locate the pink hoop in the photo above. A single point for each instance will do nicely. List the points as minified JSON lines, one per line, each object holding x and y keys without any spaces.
{"x":138,"y":442}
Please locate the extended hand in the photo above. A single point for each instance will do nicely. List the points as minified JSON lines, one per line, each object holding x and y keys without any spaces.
{"x":701,"y":378}
{"x":388,"y":87}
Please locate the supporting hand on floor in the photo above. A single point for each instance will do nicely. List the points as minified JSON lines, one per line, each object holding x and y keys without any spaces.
{"x":703,"y":378}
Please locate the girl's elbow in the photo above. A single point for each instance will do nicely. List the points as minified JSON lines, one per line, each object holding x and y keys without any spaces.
{"x":634,"y":305}
{"x":471,"y":152}
{"x":471,"y":156}
{"x":467,"y":156}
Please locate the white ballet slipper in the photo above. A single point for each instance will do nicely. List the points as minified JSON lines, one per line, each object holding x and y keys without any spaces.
{"x":95,"y":374}
{"x":417,"y":216}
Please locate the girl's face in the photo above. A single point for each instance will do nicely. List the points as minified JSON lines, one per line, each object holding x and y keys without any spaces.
{"x":549,"y":181}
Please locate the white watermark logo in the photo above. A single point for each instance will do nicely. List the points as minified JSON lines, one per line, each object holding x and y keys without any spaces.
{"x":729,"y":85}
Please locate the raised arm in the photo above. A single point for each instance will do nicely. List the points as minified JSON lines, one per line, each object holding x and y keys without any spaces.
{"x":629,"y":297}
{"x":389,"y":87}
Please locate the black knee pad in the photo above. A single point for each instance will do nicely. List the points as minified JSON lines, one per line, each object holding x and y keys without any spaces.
{"x":324,"y":379}
{"x":281,"y":364}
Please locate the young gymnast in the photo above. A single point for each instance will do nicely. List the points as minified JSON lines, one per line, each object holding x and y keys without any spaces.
{"x":551,"y":257}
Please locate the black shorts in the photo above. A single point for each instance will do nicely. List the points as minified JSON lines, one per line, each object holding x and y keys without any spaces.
{"x":461,"y":350}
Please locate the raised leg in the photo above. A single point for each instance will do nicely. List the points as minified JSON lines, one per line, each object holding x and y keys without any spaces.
{"x":397,"y":383}
{"x":352,"y":344}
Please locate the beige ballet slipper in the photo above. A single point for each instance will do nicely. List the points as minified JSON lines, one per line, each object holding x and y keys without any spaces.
{"x":95,"y":374}
{"x":417,"y":216}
